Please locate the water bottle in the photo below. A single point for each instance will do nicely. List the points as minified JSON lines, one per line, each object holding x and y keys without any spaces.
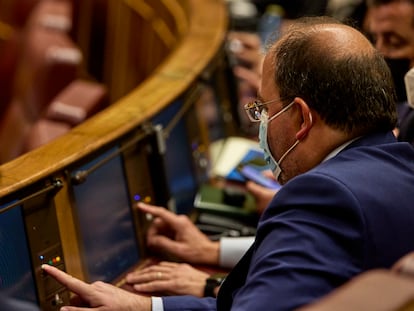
{"x":269,"y":24}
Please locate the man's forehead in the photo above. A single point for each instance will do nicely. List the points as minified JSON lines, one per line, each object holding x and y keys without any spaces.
{"x":268,"y":84}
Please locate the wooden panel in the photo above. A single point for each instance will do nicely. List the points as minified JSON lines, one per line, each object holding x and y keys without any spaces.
{"x":68,"y":232}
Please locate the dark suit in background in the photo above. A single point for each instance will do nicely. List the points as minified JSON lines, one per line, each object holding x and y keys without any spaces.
{"x":295,"y":8}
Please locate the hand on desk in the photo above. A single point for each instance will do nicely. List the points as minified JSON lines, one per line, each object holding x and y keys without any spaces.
{"x":170,"y":278}
{"x":178,"y":236}
{"x":99,"y":294}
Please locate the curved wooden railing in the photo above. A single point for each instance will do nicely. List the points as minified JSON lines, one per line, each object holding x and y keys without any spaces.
{"x":185,"y":47}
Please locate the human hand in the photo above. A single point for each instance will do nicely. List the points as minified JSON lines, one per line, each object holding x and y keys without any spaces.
{"x":405,"y":265}
{"x":170,"y":278}
{"x":245,"y":47}
{"x":262,"y":195}
{"x":99,"y":296}
{"x":178,"y":236}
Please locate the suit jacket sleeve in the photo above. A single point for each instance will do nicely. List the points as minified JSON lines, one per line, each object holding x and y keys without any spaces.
{"x":188,"y":303}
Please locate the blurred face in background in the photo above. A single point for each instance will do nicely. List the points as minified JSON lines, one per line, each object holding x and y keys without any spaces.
{"x":391,"y":27}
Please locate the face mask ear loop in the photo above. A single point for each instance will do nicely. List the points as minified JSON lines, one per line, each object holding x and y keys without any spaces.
{"x":287,"y":152}
{"x":294,"y":145}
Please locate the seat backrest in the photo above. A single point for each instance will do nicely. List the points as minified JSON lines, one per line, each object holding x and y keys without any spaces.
{"x":13,"y":129}
{"x":16,"y":12}
{"x":52,"y":14}
{"x":9,"y":58}
{"x":376,"y":290}
{"x":50,"y":61}
{"x":77,"y":102}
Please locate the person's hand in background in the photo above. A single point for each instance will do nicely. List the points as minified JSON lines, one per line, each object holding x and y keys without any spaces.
{"x":262,"y":195}
{"x":245,"y":49}
{"x":178,"y":236}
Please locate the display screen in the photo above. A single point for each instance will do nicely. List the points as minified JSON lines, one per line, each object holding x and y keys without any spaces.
{"x":107,"y":232}
{"x":16,"y":276}
{"x":182,"y":180}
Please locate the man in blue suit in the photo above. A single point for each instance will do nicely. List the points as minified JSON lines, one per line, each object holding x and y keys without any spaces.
{"x":390,"y":24}
{"x":326,"y":111}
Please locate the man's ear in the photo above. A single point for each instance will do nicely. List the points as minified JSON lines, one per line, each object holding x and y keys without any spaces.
{"x":306,"y":119}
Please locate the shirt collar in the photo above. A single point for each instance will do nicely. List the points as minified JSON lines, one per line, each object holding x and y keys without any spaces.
{"x":339,"y":149}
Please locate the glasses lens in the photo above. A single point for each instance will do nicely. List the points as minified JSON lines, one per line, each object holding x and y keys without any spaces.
{"x":254,"y":113}
{"x":254,"y":110}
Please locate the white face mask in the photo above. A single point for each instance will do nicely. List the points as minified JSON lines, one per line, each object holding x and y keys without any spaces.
{"x":264,"y":122}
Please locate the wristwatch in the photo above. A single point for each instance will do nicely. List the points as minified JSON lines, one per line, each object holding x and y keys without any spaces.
{"x":212,"y":282}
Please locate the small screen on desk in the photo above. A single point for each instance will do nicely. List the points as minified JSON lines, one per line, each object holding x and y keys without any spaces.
{"x":107,"y":231}
{"x":181,"y":175}
{"x":16,"y":277}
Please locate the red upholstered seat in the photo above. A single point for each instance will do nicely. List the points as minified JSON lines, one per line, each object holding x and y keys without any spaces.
{"x":13,"y":129}
{"x":52,"y":14}
{"x":42,"y":132}
{"x":77,"y":102}
{"x":9,"y":58}
{"x":37,"y":65}
{"x":16,"y":12}
{"x":49,"y":62}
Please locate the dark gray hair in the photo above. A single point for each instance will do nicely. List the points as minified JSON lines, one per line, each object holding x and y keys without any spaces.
{"x":351,"y":91}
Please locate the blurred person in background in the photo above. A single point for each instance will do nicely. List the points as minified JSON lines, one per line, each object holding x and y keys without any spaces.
{"x":390,"y":25}
{"x":245,"y":44}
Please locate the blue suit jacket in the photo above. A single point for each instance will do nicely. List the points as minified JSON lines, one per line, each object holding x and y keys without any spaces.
{"x":349,"y":214}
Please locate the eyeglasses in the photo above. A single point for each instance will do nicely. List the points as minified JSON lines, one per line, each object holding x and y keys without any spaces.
{"x":255,"y":109}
